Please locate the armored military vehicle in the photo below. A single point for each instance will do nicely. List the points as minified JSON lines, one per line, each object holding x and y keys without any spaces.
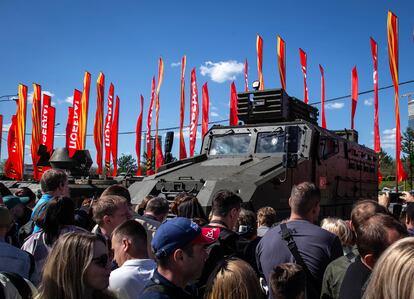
{"x":277,"y":144}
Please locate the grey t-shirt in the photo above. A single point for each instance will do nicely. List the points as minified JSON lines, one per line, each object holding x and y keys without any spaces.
{"x":317,"y":247}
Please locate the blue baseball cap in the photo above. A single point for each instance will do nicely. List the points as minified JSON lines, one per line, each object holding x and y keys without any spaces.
{"x":11,"y":201}
{"x":179,"y":232}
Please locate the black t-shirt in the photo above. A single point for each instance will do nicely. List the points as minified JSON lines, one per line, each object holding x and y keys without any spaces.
{"x":317,"y":247}
{"x":354,"y":283}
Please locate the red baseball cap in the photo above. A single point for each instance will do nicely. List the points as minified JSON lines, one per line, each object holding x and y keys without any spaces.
{"x":208,"y":235}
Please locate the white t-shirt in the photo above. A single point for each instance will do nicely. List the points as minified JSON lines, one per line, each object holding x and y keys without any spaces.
{"x":129,"y":280}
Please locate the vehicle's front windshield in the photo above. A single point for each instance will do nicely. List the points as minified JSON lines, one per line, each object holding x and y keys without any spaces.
{"x":270,"y":142}
{"x":230,"y":144}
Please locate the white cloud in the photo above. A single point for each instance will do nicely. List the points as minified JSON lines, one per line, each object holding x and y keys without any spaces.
{"x":30,"y":95}
{"x":369,"y":102}
{"x":214,"y":114}
{"x":222,"y":71}
{"x":6,"y":127}
{"x":337,"y":105}
{"x":26,"y":146}
{"x":69,"y":100}
{"x":175,"y":64}
{"x":388,"y":138}
{"x":186,"y":134}
{"x":53,"y":103}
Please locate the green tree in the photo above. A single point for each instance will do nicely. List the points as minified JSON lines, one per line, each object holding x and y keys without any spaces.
{"x":127,"y":164}
{"x":387,"y":164}
{"x":407,"y":147}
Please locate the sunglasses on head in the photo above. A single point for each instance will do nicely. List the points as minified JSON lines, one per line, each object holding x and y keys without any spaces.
{"x":101,"y":261}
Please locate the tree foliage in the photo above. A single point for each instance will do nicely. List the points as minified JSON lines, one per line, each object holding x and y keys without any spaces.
{"x":407,"y":147}
{"x":127,"y":164}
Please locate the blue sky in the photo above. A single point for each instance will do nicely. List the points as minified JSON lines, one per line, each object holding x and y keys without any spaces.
{"x":52,"y":43}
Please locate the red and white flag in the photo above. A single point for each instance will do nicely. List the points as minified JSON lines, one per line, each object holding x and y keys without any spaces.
{"x":193,"y":112}
{"x":206,"y":103}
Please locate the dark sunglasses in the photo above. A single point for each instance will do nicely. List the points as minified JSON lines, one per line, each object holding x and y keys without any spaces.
{"x":101,"y":261}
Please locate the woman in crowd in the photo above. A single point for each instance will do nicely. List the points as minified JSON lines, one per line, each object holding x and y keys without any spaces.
{"x":233,"y":279}
{"x":393,"y":273}
{"x":340,"y":228}
{"x":288,"y":281}
{"x":187,"y":205}
{"x":78,"y":267}
{"x":57,"y":219}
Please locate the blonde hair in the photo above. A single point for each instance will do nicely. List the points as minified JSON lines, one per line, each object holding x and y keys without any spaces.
{"x":340,"y":228}
{"x":233,"y":279}
{"x":65,"y":268}
{"x":393,"y":272}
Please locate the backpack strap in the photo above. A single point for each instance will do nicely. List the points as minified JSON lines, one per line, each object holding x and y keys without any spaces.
{"x":39,"y":212}
{"x":293,"y":248}
{"x":20,"y":284}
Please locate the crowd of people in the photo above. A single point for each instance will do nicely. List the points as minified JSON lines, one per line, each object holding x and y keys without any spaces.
{"x":109,"y":248}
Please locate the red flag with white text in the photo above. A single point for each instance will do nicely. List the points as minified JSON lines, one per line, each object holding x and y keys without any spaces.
{"x":303,"y":64}
{"x":108,"y":130}
{"x":114,"y":138}
{"x":69,"y":125}
{"x":74,"y":136}
{"x":194,"y":110}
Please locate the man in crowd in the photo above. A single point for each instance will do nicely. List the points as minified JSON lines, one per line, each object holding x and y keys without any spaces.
{"x":16,"y":206}
{"x":225,"y":210}
{"x":409,"y":218}
{"x":316,"y":246}
{"x":373,"y":237}
{"x":266,"y":218}
{"x":179,"y":247}
{"x":54,"y":182}
{"x":335,"y":272}
{"x":109,"y":212}
{"x":118,"y":190}
{"x":155,"y":213}
{"x":129,"y":243}
{"x":12,"y":259}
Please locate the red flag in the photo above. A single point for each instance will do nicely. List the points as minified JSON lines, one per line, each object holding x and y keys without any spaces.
{"x":259,"y":50}
{"x":281,"y":58}
{"x":36,"y":130}
{"x":354,"y":94}
{"x":193,"y":112}
{"x":1,"y":132}
{"x":392,"y":26}
{"x":323,"y":97}
{"x":21,"y":130}
{"x":377,"y":142}
{"x":44,"y":129}
{"x":83,"y":112}
{"x":374,"y":50}
{"x":74,"y":136}
{"x":48,"y":124}
{"x":108,"y":130}
{"x":10,"y":165}
{"x":183,"y":152}
{"x":150,"y":170}
{"x":51,"y":129}
{"x":98,"y":124}
{"x":234,"y":119}
{"x":69,"y":125}
{"x":159,"y":159}
{"x":114,"y":138}
{"x":303,"y":63}
{"x":139,"y":133}
{"x":206,"y":103}
{"x":246,"y":82}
